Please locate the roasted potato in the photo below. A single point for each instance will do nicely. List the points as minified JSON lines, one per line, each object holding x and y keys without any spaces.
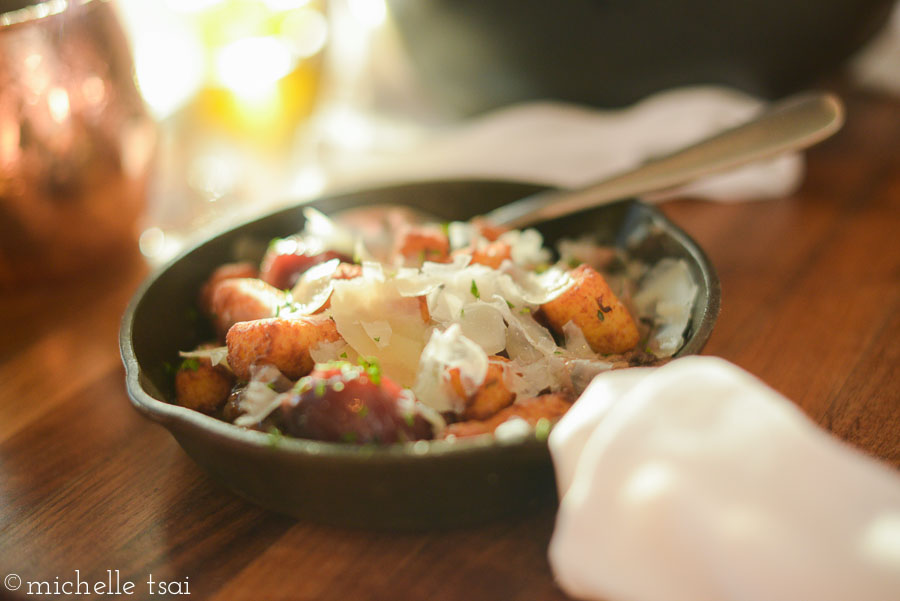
{"x":590,"y":304}
{"x":491,"y":254}
{"x":416,"y":244}
{"x":282,"y":342}
{"x":547,"y":406}
{"x":228,"y":271}
{"x":493,"y":394}
{"x":244,"y":299}
{"x":201,"y":386}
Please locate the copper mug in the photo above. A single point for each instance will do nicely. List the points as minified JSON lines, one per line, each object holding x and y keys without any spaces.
{"x":76,"y":144}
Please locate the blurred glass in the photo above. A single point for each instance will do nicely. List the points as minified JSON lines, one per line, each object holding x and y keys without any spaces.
{"x":234,"y":84}
{"x":76,"y":145}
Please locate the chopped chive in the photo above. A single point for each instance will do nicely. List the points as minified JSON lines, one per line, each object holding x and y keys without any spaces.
{"x":372,"y":369}
{"x":410,"y":419}
{"x":600,"y":315}
{"x":320,"y":388}
{"x":542,"y":429}
{"x":445,"y":228}
{"x":275,"y":436}
{"x":190,"y":363}
{"x":474,"y":290}
{"x":510,"y":305}
{"x":377,"y":339}
{"x":304,"y":384}
{"x":343,"y":355}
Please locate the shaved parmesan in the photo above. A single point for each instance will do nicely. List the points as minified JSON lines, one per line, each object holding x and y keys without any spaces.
{"x":445,"y":351}
{"x":258,"y":399}
{"x":217,"y":355}
{"x":667,"y":294}
{"x":312,"y":290}
{"x":366,"y":308}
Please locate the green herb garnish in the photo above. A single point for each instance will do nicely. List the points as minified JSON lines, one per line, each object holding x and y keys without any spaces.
{"x":190,"y":363}
{"x":474,"y":290}
{"x":275,"y":436}
{"x":320,"y":388}
{"x":542,"y":429}
{"x":304,"y":384}
{"x":372,"y":368}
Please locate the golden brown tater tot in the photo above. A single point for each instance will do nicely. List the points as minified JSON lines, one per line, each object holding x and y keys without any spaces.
{"x":244,"y":299}
{"x":201,"y":386}
{"x":282,"y":342}
{"x":590,"y":304}
{"x":547,"y":406}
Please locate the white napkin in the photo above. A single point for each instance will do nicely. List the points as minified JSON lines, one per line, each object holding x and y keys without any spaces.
{"x":567,"y":145}
{"x":695,"y":481}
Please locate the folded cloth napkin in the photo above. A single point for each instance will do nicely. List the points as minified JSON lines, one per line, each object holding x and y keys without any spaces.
{"x":695,"y":481}
{"x":567,"y":145}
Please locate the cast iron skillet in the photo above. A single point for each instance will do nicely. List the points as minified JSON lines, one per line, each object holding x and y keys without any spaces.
{"x":419,"y":485}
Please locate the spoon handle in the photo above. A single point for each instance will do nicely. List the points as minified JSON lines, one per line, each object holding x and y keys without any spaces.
{"x":793,"y":124}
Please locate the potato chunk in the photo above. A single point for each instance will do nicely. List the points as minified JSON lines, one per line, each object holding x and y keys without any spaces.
{"x":243,"y":299}
{"x":284,"y":343}
{"x":228,"y":271}
{"x":491,"y":254}
{"x":201,"y":386}
{"x":590,"y":304}
{"x":546,"y":406}
{"x":493,"y":394}
{"x":416,"y":244}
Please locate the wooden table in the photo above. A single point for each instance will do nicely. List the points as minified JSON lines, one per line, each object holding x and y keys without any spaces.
{"x":811,"y":304}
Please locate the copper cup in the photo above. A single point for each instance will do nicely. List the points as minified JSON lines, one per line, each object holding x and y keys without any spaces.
{"x":76,"y":144}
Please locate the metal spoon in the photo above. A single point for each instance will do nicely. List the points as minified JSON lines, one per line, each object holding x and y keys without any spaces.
{"x":792,"y":124}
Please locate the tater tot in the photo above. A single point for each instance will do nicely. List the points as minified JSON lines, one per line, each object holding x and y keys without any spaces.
{"x":201,"y":386}
{"x":493,"y":394}
{"x":422,"y":243}
{"x":491,"y":254}
{"x":228,"y":271}
{"x":590,"y":304}
{"x":547,"y":406}
{"x":243,"y":299}
{"x":284,"y":343}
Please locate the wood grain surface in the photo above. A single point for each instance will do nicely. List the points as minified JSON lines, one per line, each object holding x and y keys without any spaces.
{"x":811,"y":304}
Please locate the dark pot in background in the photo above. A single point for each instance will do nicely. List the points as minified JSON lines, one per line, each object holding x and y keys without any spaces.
{"x":475,"y":55}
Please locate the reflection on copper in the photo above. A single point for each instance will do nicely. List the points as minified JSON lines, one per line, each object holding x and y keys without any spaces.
{"x":75,"y":141}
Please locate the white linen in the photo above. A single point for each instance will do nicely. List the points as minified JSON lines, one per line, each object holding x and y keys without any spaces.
{"x":695,"y":481}
{"x":568,"y":145}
